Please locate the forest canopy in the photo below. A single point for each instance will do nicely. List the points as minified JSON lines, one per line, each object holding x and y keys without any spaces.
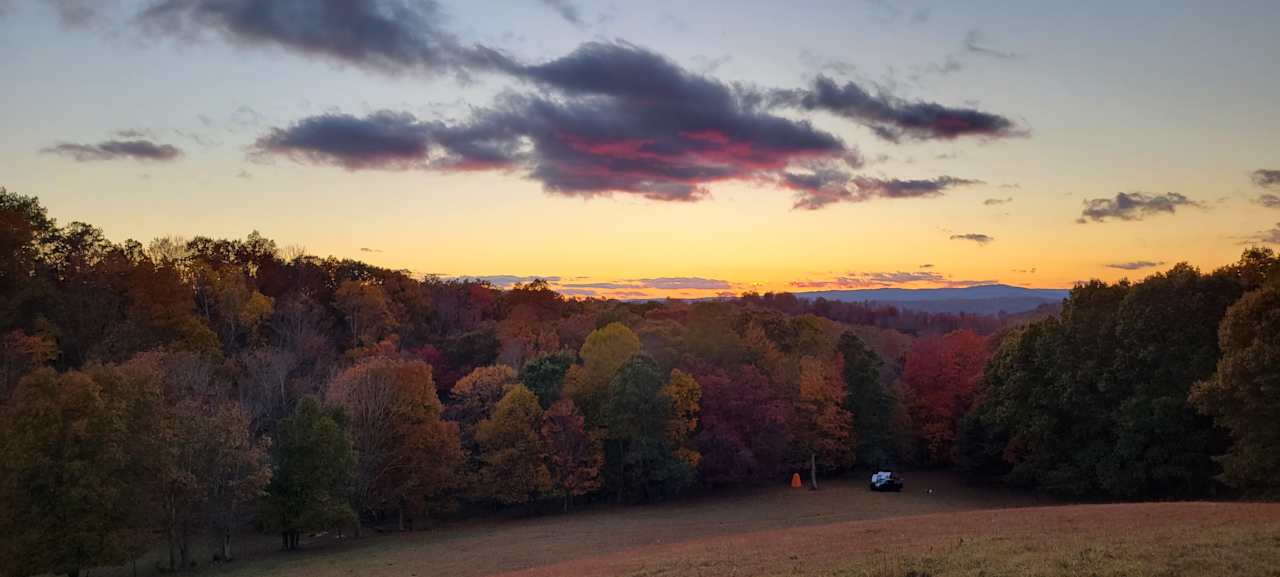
{"x":204,"y":386}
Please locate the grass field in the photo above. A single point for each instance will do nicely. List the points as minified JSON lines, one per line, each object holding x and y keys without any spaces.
{"x":841,"y":530}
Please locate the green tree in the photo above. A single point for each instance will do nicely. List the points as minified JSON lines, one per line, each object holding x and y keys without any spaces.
{"x":642,"y":460}
{"x":513,"y":452}
{"x":866,"y":399}
{"x":1244,"y":394}
{"x":314,"y":468}
{"x":545,"y":375}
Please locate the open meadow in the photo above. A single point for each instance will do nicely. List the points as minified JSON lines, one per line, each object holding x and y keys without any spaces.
{"x":843,"y":529}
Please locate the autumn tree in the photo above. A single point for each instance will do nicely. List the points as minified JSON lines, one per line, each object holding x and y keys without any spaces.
{"x":19,"y":354}
{"x":603,"y":354}
{"x":367,"y":311}
{"x":314,"y":466}
{"x":513,"y":452}
{"x":72,"y":473}
{"x":684,"y":396}
{"x":406,"y":454}
{"x":1241,"y":394}
{"x":574,"y":455}
{"x":236,"y":470}
{"x":943,"y":374}
{"x":822,"y":428}
{"x":475,"y":396}
{"x":25,"y":227}
{"x":744,"y":427}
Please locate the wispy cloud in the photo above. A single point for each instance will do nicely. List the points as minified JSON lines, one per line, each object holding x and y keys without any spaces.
{"x":144,"y":150}
{"x":997,"y":201}
{"x":1270,"y":236}
{"x":1268,"y":200}
{"x":567,"y":10}
{"x":893,"y":118}
{"x":979,"y":238}
{"x":974,"y":44}
{"x":867,"y":280}
{"x":1134,"y":206}
{"x":822,"y":187}
{"x":1135,"y":265}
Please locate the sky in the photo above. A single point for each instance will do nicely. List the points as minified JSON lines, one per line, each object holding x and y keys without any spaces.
{"x":660,"y":148}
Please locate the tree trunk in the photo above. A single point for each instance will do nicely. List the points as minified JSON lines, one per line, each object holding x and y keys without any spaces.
{"x":184,"y":546}
{"x":566,"y":500}
{"x":226,"y":545}
{"x":401,"y":522}
{"x":813,"y":471}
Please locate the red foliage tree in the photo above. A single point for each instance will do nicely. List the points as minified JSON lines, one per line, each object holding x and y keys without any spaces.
{"x":942,"y":376}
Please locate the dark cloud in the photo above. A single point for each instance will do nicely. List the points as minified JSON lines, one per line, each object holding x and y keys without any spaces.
{"x":1134,"y":206}
{"x":1268,"y":200}
{"x":386,"y":35}
{"x":383,"y":140}
{"x":893,"y":118}
{"x":367,"y":249}
{"x":926,"y":265}
{"x":997,"y":201}
{"x":975,"y":237}
{"x":621,"y":120}
{"x":1135,"y":265}
{"x":973,"y":43}
{"x":1266,"y":178}
{"x":566,"y":9}
{"x":145,"y":150}
{"x":824,"y":186}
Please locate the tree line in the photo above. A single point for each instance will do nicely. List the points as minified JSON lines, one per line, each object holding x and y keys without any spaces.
{"x":178,"y":393}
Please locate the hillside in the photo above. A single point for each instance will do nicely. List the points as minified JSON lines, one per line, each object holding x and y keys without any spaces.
{"x":983,"y":299}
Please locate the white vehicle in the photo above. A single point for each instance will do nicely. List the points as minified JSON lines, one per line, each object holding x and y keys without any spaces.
{"x":886,"y":481}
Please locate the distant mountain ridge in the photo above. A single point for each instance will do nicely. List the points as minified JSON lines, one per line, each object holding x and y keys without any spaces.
{"x":980,"y":299}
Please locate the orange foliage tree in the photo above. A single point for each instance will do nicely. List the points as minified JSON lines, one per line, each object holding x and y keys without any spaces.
{"x":406,"y":454}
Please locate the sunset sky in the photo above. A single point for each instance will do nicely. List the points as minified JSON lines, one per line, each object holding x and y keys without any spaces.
{"x":661,"y":148}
